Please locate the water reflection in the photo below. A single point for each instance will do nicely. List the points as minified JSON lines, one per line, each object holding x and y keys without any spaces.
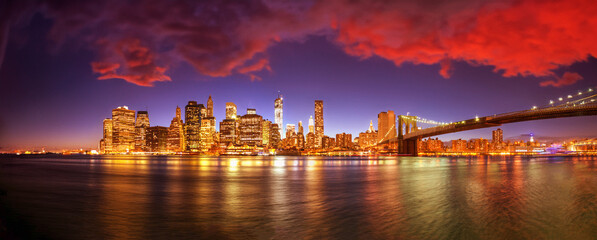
{"x":120,"y":197}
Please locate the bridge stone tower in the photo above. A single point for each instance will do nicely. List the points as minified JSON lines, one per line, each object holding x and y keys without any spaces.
{"x":406,"y":125}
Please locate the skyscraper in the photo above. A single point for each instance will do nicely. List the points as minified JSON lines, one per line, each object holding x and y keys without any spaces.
{"x":192,"y":126}
{"x":300,"y":127}
{"x":250,"y":128}
{"x":318,"y":122}
{"x":106,"y":142}
{"x":274,"y":137}
{"x":123,"y":129}
{"x":265,"y":132}
{"x":206,"y":133}
{"x":157,"y":139}
{"x":311,"y":127}
{"x":290,"y":130}
{"x":386,"y":126}
{"x":230,"y":110}
{"x":141,"y":124}
{"x":210,"y":107}
{"x":176,"y":133}
{"x":278,"y":105}
{"x":497,"y":136}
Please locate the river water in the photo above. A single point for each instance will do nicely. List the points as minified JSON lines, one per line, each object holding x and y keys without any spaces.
{"x":119,"y":197}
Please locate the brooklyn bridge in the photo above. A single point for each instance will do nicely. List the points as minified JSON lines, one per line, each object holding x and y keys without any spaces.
{"x":581,"y":104}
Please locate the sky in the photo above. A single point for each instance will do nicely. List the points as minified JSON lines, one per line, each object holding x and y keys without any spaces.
{"x":64,"y":65}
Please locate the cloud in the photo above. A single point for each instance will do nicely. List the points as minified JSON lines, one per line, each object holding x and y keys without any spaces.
{"x":221,"y":38}
{"x":568,"y":78}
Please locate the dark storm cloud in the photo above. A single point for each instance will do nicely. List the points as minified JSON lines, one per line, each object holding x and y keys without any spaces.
{"x":139,"y":40}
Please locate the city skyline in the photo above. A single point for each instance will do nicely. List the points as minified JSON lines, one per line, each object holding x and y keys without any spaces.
{"x":58,"y":104}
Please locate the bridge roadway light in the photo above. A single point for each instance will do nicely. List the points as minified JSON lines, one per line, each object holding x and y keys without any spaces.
{"x":560,"y":99}
{"x":590,"y":89}
{"x":569,"y":96}
{"x":550,"y":101}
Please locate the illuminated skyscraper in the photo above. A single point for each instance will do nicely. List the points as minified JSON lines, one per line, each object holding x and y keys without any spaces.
{"x":265,"y":132}
{"x":250,"y":128}
{"x":497,"y":136}
{"x":300,"y":127}
{"x":290,"y":130}
{"x":176,"y":133}
{"x":192,"y":126}
{"x":202,"y":111}
{"x":274,"y":137}
{"x":344,"y":141}
{"x":278,"y":105}
{"x":386,"y":126}
{"x":230,"y":110}
{"x":106,"y":142}
{"x":141,"y":124}
{"x":228,"y":132}
{"x":157,"y":139}
{"x":123,"y":129}
{"x":207,"y":133}
{"x":210,"y":107}
{"x":318,"y":122}
{"x":311,"y":127}
{"x":368,"y":138}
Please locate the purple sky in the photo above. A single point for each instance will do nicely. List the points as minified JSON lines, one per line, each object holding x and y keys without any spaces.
{"x":51,"y":96}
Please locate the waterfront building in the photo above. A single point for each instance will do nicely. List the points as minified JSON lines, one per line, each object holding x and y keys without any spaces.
{"x":497,"y":136}
{"x":157,"y":138}
{"x":368,"y":138}
{"x":319,"y":132}
{"x":192,"y":126}
{"x":265,"y":132}
{"x":123,"y":129}
{"x":327,"y":142}
{"x":431,"y":145}
{"x":459,"y":146}
{"x":228,"y":132}
{"x":274,"y":137}
{"x":386,"y":126}
{"x":106,"y":142}
{"x":141,"y":124}
{"x":278,"y":116}
{"x":251,"y":128}
{"x":344,"y":141}
{"x":300,"y":140}
{"x":230,"y":110}
{"x":206,"y":133}
{"x":175,"y":142}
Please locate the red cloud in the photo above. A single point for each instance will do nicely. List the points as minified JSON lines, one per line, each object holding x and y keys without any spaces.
{"x":138,"y":61}
{"x":568,"y":78}
{"x":220,"y":38}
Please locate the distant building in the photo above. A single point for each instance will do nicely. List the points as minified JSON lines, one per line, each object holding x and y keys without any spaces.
{"x":310,"y":140}
{"x":368,"y":138}
{"x":123,"y":129}
{"x":300,"y":127}
{"x":230,"y":110}
{"x":106,"y":142}
{"x":386,"y":126}
{"x":207,"y":133}
{"x":141,"y":123}
{"x":311,"y":125}
{"x":192,"y":126}
{"x":290,"y":130}
{"x":228,"y":131}
{"x":319,"y":132}
{"x":459,"y":146}
{"x":327,"y":142}
{"x":210,"y":107}
{"x":344,"y":141}
{"x":497,"y":136}
{"x":250,"y":128}
{"x":175,"y":142}
{"x":265,"y":132}
{"x":278,"y":118}
{"x":157,"y":139}
{"x":274,"y":137}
